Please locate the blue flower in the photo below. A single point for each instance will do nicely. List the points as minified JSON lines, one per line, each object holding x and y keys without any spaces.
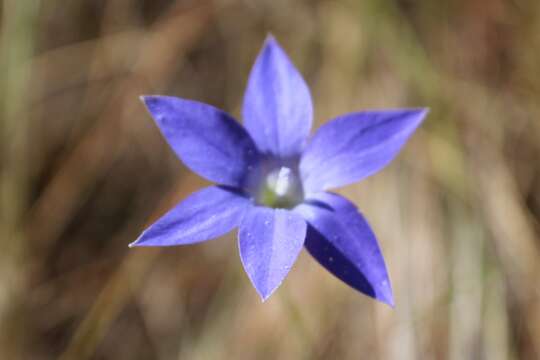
{"x":273,"y":180}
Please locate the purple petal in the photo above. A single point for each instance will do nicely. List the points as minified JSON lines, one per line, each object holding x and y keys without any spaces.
{"x":270,"y":241}
{"x":340,"y":239}
{"x":355,"y":146}
{"x":206,"y":214}
{"x":277,"y":105}
{"x":209,"y":141}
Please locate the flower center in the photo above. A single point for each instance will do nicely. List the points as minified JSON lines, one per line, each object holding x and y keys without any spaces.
{"x":281,"y":188}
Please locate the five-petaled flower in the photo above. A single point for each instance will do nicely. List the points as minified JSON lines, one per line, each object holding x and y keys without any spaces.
{"x":273,"y":181}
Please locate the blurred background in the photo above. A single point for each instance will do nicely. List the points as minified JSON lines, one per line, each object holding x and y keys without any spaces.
{"x":83,"y":170}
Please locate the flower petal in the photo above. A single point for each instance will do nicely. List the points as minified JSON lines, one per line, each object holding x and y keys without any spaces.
{"x":355,"y":146}
{"x":340,"y":239}
{"x":277,"y":105}
{"x":206,"y":214}
{"x":209,"y":141}
{"x":270,"y":241}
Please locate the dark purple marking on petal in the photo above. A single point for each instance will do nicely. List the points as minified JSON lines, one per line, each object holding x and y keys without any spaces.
{"x":341,"y":240}
{"x":354,"y":146}
{"x":270,"y":241}
{"x":277,"y":106}
{"x":209,"y":141}
{"x":204,"y":215}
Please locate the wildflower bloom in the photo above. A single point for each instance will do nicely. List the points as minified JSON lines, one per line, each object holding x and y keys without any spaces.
{"x":273,"y":181}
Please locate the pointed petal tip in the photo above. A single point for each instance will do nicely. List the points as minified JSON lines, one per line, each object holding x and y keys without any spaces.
{"x":419,"y":113}
{"x":385,"y":295}
{"x":144,"y":98}
{"x":416,"y":113}
{"x":424,"y":111}
{"x":270,"y":38}
{"x":148,"y":99}
{"x":272,"y":44}
{"x":387,"y":299}
{"x":265,"y":295}
{"x":136,"y":242}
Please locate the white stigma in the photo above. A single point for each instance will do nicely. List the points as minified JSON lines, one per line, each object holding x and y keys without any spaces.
{"x":282,"y":188}
{"x":283,"y":182}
